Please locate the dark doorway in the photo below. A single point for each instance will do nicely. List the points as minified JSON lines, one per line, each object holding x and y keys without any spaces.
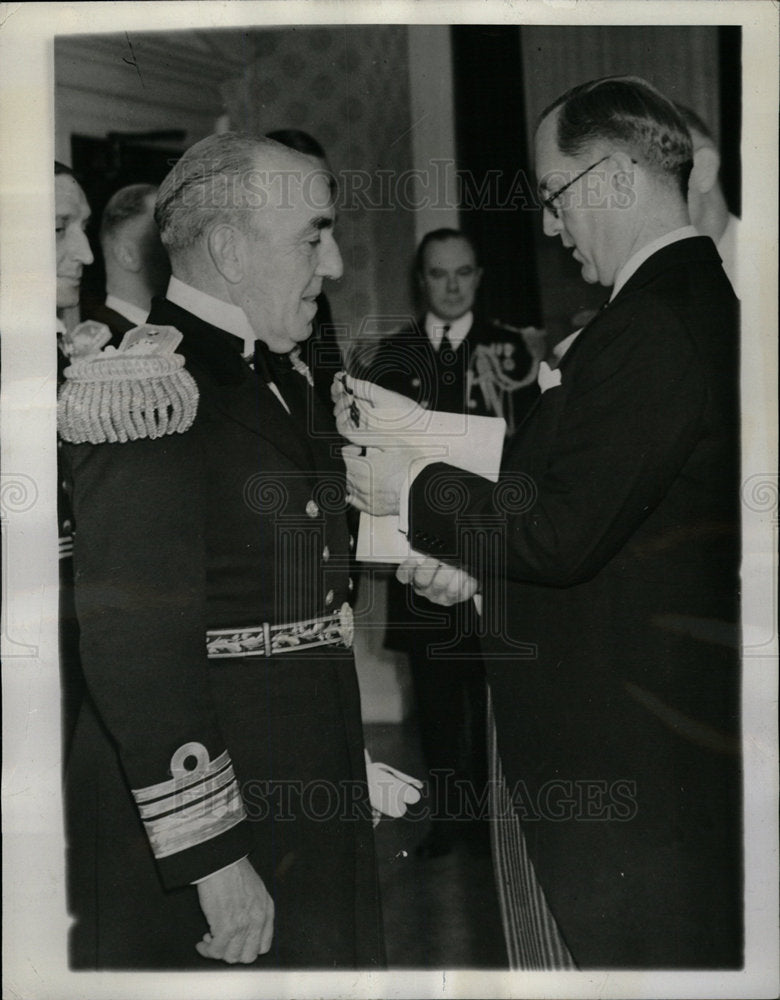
{"x":496,"y":196}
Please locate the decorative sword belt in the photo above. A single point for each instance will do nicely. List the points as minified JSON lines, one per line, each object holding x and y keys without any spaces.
{"x":335,"y":629}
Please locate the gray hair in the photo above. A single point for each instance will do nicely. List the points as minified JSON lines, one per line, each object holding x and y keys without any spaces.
{"x":213,"y":180}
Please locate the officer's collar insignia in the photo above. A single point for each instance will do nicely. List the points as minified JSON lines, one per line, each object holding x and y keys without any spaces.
{"x":138,"y":390}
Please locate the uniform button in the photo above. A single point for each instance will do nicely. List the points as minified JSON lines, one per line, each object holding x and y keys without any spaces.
{"x":416,"y":383}
{"x":425,"y":403}
{"x":67,"y":526}
{"x":325,"y":554}
{"x":312,"y":509}
{"x":329,"y":597}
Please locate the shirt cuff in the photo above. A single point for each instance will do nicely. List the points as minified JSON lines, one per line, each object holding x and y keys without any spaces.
{"x":415,"y":468}
{"x":222,"y":869}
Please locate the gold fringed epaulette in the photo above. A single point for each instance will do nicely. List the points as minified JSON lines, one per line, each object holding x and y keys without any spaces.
{"x":140,"y":390}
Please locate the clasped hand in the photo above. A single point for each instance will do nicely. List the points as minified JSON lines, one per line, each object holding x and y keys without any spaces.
{"x":378,"y":460}
{"x":438,"y":582}
{"x":240,"y":914}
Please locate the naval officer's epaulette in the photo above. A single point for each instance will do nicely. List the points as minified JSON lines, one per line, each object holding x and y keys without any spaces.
{"x":139,"y":390}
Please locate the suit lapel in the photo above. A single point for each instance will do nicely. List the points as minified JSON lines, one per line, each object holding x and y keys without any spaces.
{"x":540,"y":400}
{"x":699,"y":249}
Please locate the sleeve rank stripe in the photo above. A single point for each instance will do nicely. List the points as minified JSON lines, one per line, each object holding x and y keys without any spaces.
{"x":196,"y":824}
{"x":178,"y":784}
{"x":188,"y":797}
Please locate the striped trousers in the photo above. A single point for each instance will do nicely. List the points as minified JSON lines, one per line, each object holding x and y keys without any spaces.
{"x":533,"y":939}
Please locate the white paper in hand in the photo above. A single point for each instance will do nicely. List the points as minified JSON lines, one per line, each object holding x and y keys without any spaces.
{"x":468,"y":442}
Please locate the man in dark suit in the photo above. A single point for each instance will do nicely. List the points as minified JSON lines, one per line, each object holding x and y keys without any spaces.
{"x":216,"y":790}
{"x":135,"y":260}
{"x":454,"y":360}
{"x":608,"y":557}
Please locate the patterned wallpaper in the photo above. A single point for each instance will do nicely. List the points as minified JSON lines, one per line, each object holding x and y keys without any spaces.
{"x":348,"y":87}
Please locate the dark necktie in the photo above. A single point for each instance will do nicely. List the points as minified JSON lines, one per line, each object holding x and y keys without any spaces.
{"x":287,"y":373}
{"x":445,"y":343}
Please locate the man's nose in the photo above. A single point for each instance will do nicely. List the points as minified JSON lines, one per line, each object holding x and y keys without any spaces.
{"x":79,"y":247}
{"x":452,"y":283}
{"x":330,"y":263}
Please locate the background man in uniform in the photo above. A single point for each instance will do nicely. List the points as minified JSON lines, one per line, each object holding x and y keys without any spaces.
{"x":611,"y":542}
{"x":135,"y":260}
{"x":451,"y":359}
{"x":216,"y":788}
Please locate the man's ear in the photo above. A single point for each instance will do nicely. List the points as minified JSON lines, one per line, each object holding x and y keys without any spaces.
{"x":625,"y":178}
{"x":621,"y":160}
{"x":126,"y":253}
{"x":227,"y":251}
{"x":706,"y":167}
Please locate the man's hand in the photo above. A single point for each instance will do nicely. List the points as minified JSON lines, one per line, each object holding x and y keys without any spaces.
{"x":240,"y":913}
{"x":437,"y":581}
{"x":371,"y":416}
{"x":375,"y":477}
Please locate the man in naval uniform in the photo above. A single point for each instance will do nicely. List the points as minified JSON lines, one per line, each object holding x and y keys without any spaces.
{"x":217,"y":797}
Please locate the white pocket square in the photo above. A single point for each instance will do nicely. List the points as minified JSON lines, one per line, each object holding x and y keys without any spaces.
{"x":548,"y":378}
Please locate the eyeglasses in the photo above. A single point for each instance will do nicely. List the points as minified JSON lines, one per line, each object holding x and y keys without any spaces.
{"x":549,"y":201}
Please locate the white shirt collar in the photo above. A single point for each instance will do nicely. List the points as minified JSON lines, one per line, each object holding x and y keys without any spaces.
{"x":563,"y":345}
{"x":728,"y":248}
{"x":631,"y":266}
{"x":223,"y":315}
{"x":458,"y":328}
{"x":130,"y":312}
{"x":633,"y":263}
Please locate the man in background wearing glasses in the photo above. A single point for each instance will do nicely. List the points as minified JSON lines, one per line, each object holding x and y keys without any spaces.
{"x":610,"y":547}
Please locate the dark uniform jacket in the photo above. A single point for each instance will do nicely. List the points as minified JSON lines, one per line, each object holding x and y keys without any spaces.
{"x":612,"y":588}
{"x":115,"y":321}
{"x":235,"y":525}
{"x":71,"y":679}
